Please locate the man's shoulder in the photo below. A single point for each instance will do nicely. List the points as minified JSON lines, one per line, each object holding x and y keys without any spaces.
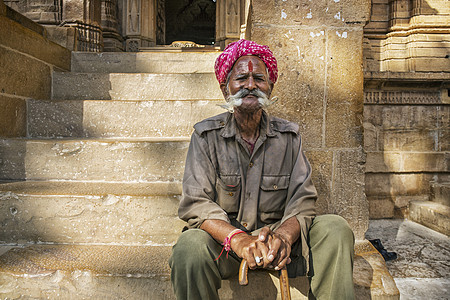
{"x":282,"y":125}
{"x":212,"y":123}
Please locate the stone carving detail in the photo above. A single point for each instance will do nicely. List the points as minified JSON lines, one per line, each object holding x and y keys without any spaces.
{"x":161,"y":22}
{"x":401,"y":97}
{"x":88,"y":37}
{"x":41,"y":11}
{"x":132,"y":45}
{"x":134,"y":15}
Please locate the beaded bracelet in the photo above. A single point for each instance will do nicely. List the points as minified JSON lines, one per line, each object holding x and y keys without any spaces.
{"x":227,"y":242}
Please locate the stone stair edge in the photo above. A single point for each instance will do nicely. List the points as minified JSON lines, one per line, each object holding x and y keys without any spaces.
{"x":90,"y":188}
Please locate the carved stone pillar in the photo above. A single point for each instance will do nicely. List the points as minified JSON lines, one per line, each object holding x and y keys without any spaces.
{"x":112,"y":40}
{"x":399,"y":14}
{"x":230,"y":15}
{"x":46,"y":12}
{"x":84,"y":16}
{"x":139,"y":24}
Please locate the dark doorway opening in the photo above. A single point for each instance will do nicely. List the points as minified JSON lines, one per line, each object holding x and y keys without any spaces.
{"x":190,"y":20}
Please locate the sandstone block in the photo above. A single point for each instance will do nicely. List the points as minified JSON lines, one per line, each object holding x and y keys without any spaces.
{"x":118,"y":219}
{"x":322,"y":170}
{"x":381,"y":207}
{"x":398,"y":162}
{"x":436,"y":64}
{"x":117,"y":272}
{"x":411,"y":117}
{"x":431,"y":214}
{"x":440,"y":193}
{"x":382,"y":184}
{"x":409,"y":140}
{"x":347,"y":196}
{"x":92,"y":86}
{"x":13,"y":116}
{"x":300,"y":87}
{"x":17,"y":37}
{"x":292,"y":13}
{"x":344,"y":111}
{"x":103,"y":160}
{"x":118,"y":118}
{"x":144,"y":62}
{"x":33,"y":81}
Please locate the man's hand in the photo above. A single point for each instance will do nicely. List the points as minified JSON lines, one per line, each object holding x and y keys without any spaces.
{"x":279,"y":248}
{"x":249,"y":248}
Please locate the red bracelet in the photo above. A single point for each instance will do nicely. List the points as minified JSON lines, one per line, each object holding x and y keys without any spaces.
{"x":227,"y":242}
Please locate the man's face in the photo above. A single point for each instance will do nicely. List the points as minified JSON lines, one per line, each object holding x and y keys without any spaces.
{"x":250,"y":73}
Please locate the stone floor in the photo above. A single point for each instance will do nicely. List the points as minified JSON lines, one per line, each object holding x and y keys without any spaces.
{"x":422,"y":269}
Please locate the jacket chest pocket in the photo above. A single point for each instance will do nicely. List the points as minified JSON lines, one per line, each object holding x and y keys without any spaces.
{"x":273,"y":193}
{"x":228,"y":189}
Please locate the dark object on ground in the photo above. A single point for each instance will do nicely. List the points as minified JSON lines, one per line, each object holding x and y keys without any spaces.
{"x":386,"y":255}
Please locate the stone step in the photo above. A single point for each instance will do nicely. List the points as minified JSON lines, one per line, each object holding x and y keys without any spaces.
{"x":90,"y":212}
{"x":117,"y":118}
{"x":144,"y":62}
{"x":132,"y":160}
{"x":440,"y":192}
{"x":142,"y":272}
{"x":431,"y":214}
{"x":141,"y":86}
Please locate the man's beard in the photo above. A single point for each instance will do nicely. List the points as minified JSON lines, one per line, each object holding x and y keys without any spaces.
{"x":236,"y":99}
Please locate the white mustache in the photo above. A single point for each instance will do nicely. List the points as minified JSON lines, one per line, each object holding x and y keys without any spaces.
{"x":236,"y":99}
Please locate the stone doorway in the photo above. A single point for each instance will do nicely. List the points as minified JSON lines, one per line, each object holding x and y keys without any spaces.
{"x":190,"y":20}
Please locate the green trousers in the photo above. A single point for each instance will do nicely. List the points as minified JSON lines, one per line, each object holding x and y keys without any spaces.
{"x":196,"y":276}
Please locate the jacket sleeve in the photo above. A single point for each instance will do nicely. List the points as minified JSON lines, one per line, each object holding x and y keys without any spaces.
{"x":301,"y":197}
{"x":199,"y":192}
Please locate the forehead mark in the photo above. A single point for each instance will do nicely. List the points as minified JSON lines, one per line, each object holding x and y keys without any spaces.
{"x":250,"y":66}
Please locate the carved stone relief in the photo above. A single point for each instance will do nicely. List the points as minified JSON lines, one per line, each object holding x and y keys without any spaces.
{"x":402,"y":97}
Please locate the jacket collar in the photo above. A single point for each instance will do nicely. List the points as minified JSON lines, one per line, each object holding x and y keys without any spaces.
{"x":230,"y":128}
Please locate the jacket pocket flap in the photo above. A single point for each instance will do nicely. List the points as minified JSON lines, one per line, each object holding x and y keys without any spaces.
{"x":274,"y":183}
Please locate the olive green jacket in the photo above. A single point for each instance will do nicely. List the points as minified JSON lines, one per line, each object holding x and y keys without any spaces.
{"x":223,"y":181}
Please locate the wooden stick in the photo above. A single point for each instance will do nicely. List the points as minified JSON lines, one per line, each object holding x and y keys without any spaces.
{"x":284,"y":280}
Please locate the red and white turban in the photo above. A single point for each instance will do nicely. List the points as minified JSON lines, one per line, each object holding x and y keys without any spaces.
{"x":226,"y":60}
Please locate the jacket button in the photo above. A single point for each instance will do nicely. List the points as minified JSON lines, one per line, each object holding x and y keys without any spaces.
{"x":275,"y":187}
{"x":244,"y":224}
{"x":250,"y":164}
{"x":230,"y":193}
{"x":222,"y":123}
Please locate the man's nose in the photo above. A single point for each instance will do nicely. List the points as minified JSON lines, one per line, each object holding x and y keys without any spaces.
{"x":250,"y":83}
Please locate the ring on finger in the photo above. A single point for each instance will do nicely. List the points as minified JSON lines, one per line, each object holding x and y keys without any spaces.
{"x":258,"y":259}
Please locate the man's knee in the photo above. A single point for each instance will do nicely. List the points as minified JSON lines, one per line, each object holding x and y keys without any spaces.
{"x":333,"y":228}
{"x":192,"y":248}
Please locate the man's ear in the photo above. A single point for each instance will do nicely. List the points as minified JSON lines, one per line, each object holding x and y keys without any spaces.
{"x":224,"y":89}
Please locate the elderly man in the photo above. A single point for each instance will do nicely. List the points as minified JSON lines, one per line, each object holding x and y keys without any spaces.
{"x":248,"y":194}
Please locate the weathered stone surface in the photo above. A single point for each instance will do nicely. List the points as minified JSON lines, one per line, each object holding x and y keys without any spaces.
{"x":291,"y":13}
{"x":117,"y":219}
{"x":431,"y":214}
{"x":344,"y":88}
{"x":370,"y":275}
{"x":16,"y":36}
{"x":398,"y":162}
{"x":322,"y":172}
{"x":144,"y":62}
{"x":118,"y":272}
{"x":117,"y":118}
{"x":300,"y":88}
{"x":135,"y":161}
{"x":381,"y":207}
{"x":13,"y":116}
{"x":347,"y":196}
{"x":33,"y":81}
{"x":440,"y":193}
{"x":116,"y":86}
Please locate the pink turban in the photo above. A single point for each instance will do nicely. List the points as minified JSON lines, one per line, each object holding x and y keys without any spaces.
{"x":226,"y":60}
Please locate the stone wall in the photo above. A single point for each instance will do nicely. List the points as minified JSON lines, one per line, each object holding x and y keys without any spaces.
{"x":406,"y":107}
{"x":27,"y":60}
{"x":318,"y":45}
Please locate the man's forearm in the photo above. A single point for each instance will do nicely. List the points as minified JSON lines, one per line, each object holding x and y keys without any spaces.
{"x":218,"y":229}
{"x":290,"y":230}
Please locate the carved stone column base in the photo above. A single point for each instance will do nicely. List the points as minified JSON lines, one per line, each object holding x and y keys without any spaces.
{"x":112,"y":42}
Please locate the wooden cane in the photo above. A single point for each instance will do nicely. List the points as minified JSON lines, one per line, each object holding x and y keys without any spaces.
{"x":284,"y":280}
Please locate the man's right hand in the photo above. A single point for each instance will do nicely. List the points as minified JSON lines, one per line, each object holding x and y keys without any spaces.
{"x":249,"y":247}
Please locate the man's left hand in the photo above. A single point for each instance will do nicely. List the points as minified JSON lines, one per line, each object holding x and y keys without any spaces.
{"x":279,"y":248}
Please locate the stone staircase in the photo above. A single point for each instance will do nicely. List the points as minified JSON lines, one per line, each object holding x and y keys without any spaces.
{"x":89,"y":199}
{"x":435,"y":213}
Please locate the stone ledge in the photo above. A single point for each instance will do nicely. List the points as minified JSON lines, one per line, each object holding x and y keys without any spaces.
{"x":120,"y":272}
{"x":431,"y":214}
